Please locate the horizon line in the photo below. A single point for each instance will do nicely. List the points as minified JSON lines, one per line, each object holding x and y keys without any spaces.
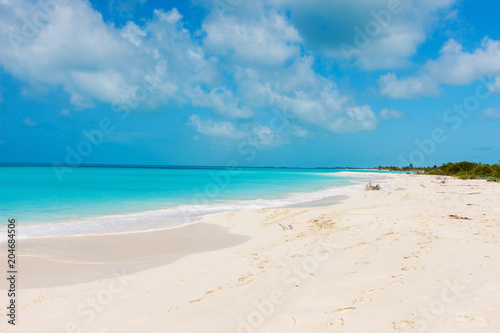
{"x":167,"y":166}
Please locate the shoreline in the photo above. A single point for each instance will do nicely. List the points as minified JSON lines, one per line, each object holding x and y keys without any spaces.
{"x":378,"y":255}
{"x":221,"y":207}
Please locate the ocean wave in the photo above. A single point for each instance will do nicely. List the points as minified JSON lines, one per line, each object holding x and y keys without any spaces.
{"x":169,"y":218}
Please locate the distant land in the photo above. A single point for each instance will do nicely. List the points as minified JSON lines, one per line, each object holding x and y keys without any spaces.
{"x":462,"y":170}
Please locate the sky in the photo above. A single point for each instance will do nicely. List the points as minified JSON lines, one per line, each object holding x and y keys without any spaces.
{"x":254,"y":83}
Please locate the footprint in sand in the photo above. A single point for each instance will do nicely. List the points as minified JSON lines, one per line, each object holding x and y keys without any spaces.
{"x":406,"y":268}
{"x":403,"y":324}
{"x":397,"y":282}
{"x":375,"y":290}
{"x":413,"y":255}
{"x":362,"y":300}
{"x":345,"y":309}
{"x":337,"y":322}
{"x":139,"y":320}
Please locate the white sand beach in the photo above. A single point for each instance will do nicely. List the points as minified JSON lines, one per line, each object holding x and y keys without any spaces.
{"x":420,"y":257}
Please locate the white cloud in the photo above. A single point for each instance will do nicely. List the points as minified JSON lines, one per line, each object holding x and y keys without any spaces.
{"x":358,"y":118}
{"x":387,"y":114}
{"x":457,"y":67}
{"x":172,"y":16}
{"x":102,"y":85}
{"x":495,"y":87}
{"x":218,"y":129}
{"x":29,"y":122}
{"x":268,"y":39}
{"x":453,"y":67}
{"x":490,"y":113}
{"x":74,"y":42}
{"x":254,"y":44}
{"x":382,"y":35}
{"x":307,"y":96}
{"x":219,"y":99}
{"x":261,"y":136}
{"x":133,"y":33}
{"x":93,"y":61}
{"x":239,"y":66}
{"x":411,"y":87}
{"x":264,"y":135}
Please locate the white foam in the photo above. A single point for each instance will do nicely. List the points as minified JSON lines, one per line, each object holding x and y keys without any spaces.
{"x":169,"y":218}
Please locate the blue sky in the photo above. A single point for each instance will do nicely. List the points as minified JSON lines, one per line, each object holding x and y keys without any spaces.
{"x":263,"y":83}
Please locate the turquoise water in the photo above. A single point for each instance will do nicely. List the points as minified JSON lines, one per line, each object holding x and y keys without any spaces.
{"x":108,"y":199}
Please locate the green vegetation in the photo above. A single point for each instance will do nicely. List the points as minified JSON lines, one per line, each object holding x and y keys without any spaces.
{"x":462,"y":170}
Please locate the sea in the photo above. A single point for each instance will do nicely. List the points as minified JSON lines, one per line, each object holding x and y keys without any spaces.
{"x":105,"y":200}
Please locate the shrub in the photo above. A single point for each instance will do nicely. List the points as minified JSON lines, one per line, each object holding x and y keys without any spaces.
{"x":462,"y":170}
{"x":482,"y":170}
{"x":456,"y":168}
{"x":496,"y":170}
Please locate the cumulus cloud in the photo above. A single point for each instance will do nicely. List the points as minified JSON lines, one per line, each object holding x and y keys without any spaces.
{"x":70,"y":49}
{"x":257,"y":135}
{"x":380,"y":33}
{"x":220,"y":99}
{"x":267,"y":39}
{"x":239,"y":65}
{"x":264,"y":134}
{"x":490,"y":113}
{"x":94,"y":61}
{"x":387,"y":114}
{"x":453,"y":67}
{"x":495,"y":86}
{"x":309,"y":97}
{"x":411,"y":87}
{"x":270,"y":71}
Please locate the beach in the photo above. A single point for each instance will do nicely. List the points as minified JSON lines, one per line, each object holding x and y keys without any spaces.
{"x":421,"y":256}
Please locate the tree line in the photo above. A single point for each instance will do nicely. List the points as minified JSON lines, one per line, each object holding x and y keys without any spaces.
{"x":462,"y":170}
